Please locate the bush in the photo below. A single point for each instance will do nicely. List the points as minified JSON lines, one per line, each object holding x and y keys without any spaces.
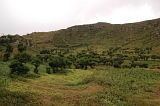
{"x":18,"y":68}
{"x":48,"y":70}
{"x":56,"y":63}
{"x":36,"y":62}
{"x":143,"y":65}
{"x":117,"y":62}
{"x":21,"y":47}
{"x":22,"y":57}
{"x":126,"y":66}
{"x":6,"y":56}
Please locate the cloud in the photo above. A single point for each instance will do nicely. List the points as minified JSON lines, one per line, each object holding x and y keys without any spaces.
{"x":26,"y":16}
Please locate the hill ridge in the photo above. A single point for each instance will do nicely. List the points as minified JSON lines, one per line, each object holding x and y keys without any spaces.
{"x":101,"y":35}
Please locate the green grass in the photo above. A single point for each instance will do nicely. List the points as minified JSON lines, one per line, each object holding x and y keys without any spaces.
{"x":103,"y":86}
{"x":4,"y":69}
{"x":127,"y":86}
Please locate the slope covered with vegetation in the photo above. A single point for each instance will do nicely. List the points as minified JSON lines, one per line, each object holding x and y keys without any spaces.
{"x":87,"y":65}
{"x":102,"y":35}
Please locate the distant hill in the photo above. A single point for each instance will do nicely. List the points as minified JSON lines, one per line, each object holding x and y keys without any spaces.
{"x":100,"y":36}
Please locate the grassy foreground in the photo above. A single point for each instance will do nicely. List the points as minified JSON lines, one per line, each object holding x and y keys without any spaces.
{"x":103,"y":86}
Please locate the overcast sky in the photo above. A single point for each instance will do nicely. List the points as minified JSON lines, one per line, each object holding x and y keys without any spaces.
{"x":26,"y":16}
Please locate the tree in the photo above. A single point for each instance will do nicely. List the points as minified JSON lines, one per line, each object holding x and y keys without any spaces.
{"x":117,"y":62}
{"x":133,"y":58}
{"x":84,"y":62}
{"x":144,"y":57}
{"x":134,"y":64}
{"x":36,"y":62}
{"x":48,"y":70}
{"x":22,"y":57}
{"x":21,"y":47}
{"x":143,"y":65}
{"x":71,"y":58}
{"x":7,"y":53}
{"x":18,"y":68}
{"x":9,"y":48}
{"x":6,"y":56}
{"x":154,"y":57}
{"x":56,"y":63}
{"x":103,"y":60}
{"x":110,"y":53}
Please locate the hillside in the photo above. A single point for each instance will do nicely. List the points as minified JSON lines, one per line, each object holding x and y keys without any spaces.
{"x":86,"y":65}
{"x":101,"y":36}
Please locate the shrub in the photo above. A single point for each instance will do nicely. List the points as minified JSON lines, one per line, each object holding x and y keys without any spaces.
{"x":143,"y":65}
{"x":36,"y":62}
{"x":6,"y":56}
{"x":18,"y":68}
{"x":57,"y":62}
{"x":21,"y":47}
{"x":48,"y":70}
{"x":22,"y":57}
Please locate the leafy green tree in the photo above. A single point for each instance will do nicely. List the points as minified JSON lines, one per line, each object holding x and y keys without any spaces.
{"x":134,"y":64}
{"x":23,"y":57}
{"x":18,"y":68}
{"x":57,"y":63}
{"x":71,"y":58}
{"x":45,"y":52}
{"x":68,"y":63}
{"x":110,"y":53}
{"x":84,"y":62}
{"x":133,"y":58}
{"x":154,"y":57}
{"x":9,"y":48}
{"x":144,"y":57}
{"x":143,"y":65}
{"x":117,"y":62}
{"x":48,"y":70}
{"x":126,"y":66}
{"x":6,"y":56}
{"x":54,"y":64}
{"x":36,"y":62}
{"x":103,"y":60}
{"x":21,"y":47}
{"x":92,"y":62}
{"x":106,"y":61}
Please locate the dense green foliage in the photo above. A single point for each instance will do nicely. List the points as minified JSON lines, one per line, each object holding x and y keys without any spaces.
{"x":18,"y":68}
{"x":6,"y":56}
{"x":36,"y":62}
{"x":22,"y":57}
{"x":9,"y":48}
{"x":21,"y":47}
